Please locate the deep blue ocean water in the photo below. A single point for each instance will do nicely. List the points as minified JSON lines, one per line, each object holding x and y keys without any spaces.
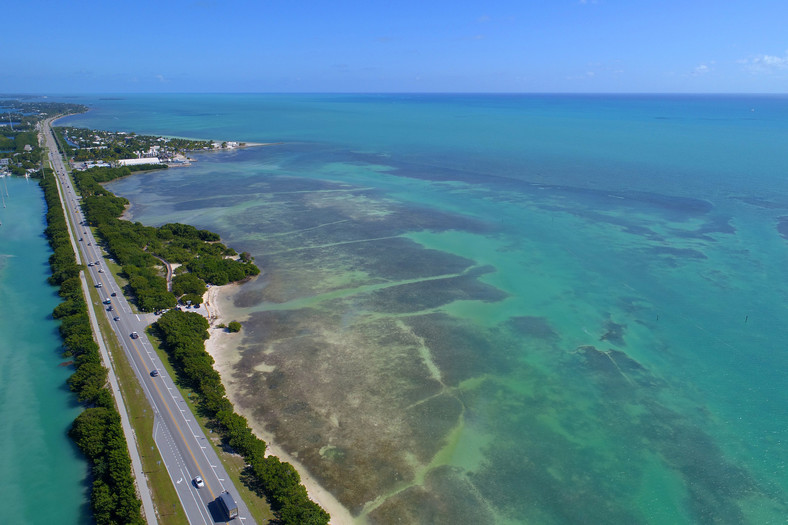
{"x":42,"y":474}
{"x":502,"y":308}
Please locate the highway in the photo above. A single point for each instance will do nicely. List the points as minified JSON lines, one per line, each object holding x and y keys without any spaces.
{"x":184,"y":449}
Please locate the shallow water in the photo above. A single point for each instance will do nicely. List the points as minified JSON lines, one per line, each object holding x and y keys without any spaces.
{"x":494,"y":309}
{"x":42,"y":475}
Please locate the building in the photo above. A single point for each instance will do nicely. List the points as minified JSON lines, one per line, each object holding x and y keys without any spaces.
{"x":137,"y":162}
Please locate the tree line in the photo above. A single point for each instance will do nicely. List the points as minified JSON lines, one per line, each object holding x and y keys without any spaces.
{"x":183,"y":336}
{"x":137,"y":248}
{"x":96,"y":430}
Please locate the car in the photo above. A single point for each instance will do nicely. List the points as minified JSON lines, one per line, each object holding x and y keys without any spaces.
{"x":107,"y":301}
{"x":101,"y":271}
{"x":97,"y":263}
{"x":198,"y":482}
{"x":154,"y":373}
{"x":109,"y":308}
{"x":80,"y":238}
{"x":91,"y":265}
{"x":135,"y":335}
{"x":90,"y":244}
{"x":116,"y":318}
{"x":113,"y":294}
{"x":98,"y":285}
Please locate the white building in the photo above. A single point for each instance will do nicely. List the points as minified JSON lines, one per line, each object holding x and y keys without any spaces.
{"x":137,"y":162}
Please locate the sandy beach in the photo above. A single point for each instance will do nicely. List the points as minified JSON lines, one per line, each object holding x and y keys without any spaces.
{"x":220,"y":346}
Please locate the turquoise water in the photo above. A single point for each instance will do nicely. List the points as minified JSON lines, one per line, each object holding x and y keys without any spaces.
{"x":43,"y":477}
{"x":502,"y":309}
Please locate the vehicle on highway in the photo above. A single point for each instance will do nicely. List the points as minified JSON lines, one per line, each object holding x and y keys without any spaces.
{"x":90,"y":264}
{"x":98,"y":285}
{"x":113,"y":294}
{"x":135,"y":335}
{"x":154,"y":373}
{"x":109,"y":308}
{"x":228,"y":505}
{"x":116,"y":318}
{"x":101,"y":271}
{"x":198,"y":482}
{"x":107,"y":301}
{"x":90,"y":244}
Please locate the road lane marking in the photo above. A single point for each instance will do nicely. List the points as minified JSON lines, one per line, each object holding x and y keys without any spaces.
{"x":175,"y":422}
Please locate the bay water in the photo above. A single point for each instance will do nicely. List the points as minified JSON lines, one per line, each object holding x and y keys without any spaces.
{"x":501,"y":308}
{"x":43,"y":477}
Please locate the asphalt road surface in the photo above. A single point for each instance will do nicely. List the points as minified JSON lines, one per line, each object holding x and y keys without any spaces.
{"x":184,"y":448}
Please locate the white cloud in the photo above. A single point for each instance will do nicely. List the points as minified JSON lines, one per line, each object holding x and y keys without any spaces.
{"x":766,"y":63}
{"x":701,"y":69}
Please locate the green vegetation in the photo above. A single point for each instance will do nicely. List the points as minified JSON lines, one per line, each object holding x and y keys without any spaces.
{"x":234,"y":327}
{"x":108,"y":146}
{"x":183,"y":336}
{"x":97,"y":430}
{"x":138,"y":248}
{"x":19,"y":140}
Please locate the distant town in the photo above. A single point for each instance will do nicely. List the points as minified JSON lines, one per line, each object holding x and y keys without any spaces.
{"x":95,"y":148}
{"x":20,"y":153}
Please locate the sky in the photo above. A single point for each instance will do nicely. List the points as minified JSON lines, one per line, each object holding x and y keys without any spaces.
{"x":585,"y":46}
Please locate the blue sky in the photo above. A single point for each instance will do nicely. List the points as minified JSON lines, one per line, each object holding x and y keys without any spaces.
{"x":383,"y":46}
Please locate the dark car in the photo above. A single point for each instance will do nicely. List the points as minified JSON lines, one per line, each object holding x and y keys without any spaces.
{"x":116,"y":318}
{"x":113,"y":294}
{"x":154,"y":373}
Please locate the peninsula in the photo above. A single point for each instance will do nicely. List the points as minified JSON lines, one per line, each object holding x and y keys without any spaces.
{"x":132,"y":255}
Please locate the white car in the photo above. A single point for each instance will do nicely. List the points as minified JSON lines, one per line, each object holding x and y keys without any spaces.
{"x":198,"y":482}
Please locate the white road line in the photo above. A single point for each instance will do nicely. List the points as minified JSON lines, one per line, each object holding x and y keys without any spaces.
{"x":198,"y":503}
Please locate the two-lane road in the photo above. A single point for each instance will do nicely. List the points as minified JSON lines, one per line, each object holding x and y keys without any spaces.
{"x":183,"y":445}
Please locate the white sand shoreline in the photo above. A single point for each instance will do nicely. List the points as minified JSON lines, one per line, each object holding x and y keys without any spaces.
{"x":219,"y":345}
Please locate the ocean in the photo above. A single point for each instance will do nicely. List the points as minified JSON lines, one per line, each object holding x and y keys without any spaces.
{"x":504,"y":309}
{"x":43,"y":477}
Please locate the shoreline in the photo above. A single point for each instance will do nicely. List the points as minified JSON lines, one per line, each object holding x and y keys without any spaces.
{"x":218,"y":346}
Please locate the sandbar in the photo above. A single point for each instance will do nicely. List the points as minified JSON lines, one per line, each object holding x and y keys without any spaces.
{"x":221,"y":345}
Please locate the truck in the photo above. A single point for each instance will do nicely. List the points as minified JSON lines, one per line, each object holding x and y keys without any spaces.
{"x":227,"y":504}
